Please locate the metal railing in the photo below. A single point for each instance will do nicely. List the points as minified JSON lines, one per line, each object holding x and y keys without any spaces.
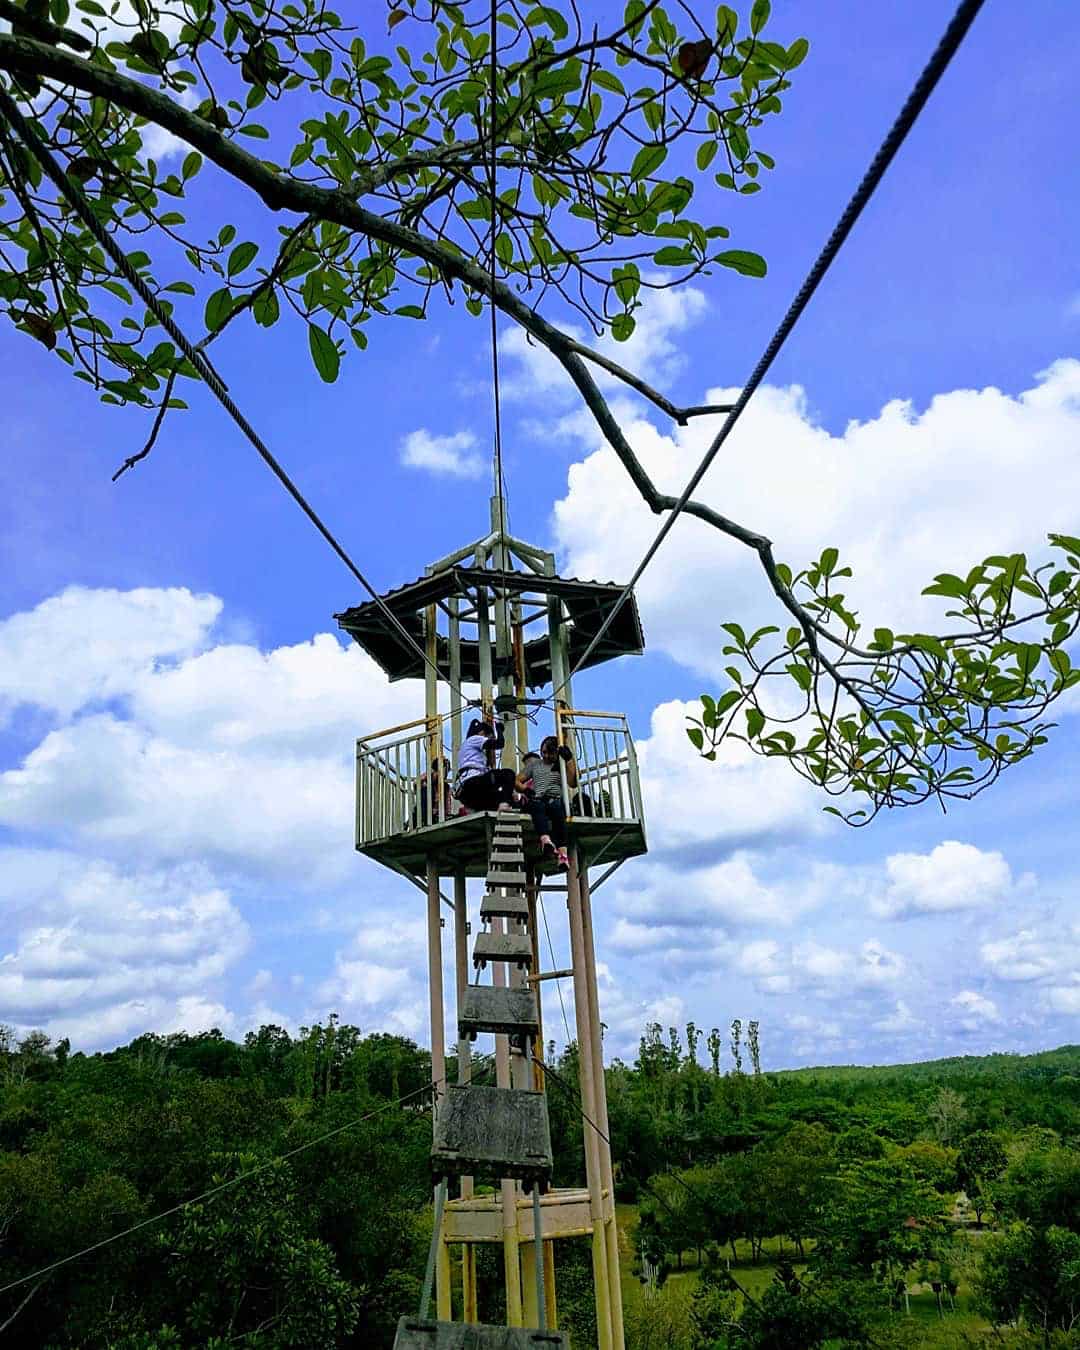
{"x":403,"y":781}
{"x":608,"y":786}
{"x":404,"y":776}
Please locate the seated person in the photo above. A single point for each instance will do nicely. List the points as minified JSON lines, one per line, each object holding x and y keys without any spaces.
{"x":544,"y":800}
{"x":441,"y":807}
{"x":479,"y":785}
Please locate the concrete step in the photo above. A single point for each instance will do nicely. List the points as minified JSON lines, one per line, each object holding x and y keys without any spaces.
{"x":510,"y":1012}
{"x":514,"y":948}
{"x":492,"y":1132}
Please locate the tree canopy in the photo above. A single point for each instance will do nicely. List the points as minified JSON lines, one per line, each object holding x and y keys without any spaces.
{"x":517,"y":155}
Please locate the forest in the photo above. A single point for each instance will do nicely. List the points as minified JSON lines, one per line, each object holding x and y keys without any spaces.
{"x":931,"y":1204}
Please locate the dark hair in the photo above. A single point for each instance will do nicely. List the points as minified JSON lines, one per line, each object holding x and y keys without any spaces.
{"x":479,"y":728}
{"x":549,"y":740}
{"x":529,"y":754}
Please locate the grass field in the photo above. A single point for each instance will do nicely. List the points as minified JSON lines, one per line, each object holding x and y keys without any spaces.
{"x":938,"y":1333}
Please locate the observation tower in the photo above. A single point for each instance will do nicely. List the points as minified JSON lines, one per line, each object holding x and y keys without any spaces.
{"x":496,"y":617}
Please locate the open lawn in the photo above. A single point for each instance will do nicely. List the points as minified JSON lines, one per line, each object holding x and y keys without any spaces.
{"x":938,"y":1332}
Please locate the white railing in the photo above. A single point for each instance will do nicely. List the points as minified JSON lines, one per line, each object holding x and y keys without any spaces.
{"x":404,"y":776}
{"x":394,"y":782}
{"x":608,"y":786}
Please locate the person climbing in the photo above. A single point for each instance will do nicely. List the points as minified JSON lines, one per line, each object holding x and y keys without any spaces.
{"x":479,"y":785}
{"x":544,"y":801}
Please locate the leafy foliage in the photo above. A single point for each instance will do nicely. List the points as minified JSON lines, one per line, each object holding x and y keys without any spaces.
{"x":601,"y":138}
{"x":907,"y":716}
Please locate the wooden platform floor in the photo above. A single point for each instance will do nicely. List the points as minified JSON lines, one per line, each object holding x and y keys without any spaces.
{"x":460,"y":845}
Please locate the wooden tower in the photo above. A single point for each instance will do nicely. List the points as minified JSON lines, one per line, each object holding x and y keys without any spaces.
{"x":495,"y":616}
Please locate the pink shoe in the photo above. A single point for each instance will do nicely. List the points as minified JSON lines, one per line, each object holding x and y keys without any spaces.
{"x":547,"y":848}
{"x":562,"y":860}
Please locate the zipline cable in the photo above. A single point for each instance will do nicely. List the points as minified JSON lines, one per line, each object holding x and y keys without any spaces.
{"x":500,"y":481}
{"x":233,"y":1181}
{"x":77,"y":198}
{"x":924,"y":86}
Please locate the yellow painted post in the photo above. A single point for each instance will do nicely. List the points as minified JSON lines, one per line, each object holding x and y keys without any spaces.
{"x":438,"y":1037}
{"x":442,"y":1282}
{"x":588,"y":1105}
{"x":549,"y":1285}
{"x":607,"y":1173}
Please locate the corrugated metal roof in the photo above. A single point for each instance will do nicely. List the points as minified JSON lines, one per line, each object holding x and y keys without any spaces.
{"x":588,"y":604}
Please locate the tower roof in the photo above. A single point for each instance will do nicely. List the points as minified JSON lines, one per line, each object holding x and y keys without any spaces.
{"x":586,"y":605}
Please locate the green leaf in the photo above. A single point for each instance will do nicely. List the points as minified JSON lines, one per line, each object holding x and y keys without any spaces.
{"x":796,"y":53}
{"x":696,"y":736}
{"x":634,"y":16}
{"x":410,"y":311}
{"x":705,"y":154}
{"x":947,"y":584}
{"x":739,"y":260}
{"x":829,"y":559}
{"x":674,"y":257}
{"x":622,"y":326}
{"x":218,"y":309}
{"x":647,"y":160}
{"x":241,"y":257}
{"x":755,"y":721}
{"x":191,"y":166}
{"x":324,"y":353}
{"x":606,"y":80}
{"x":883,"y":638}
{"x":759,"y":15}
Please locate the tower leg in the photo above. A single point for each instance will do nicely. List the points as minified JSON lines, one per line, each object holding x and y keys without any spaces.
{"x":607,"y":1173}
{"x":508,"y":1189}
{"x":593,"y":1173}
{"x":461,"y":964}
{"x":438,"y":1054}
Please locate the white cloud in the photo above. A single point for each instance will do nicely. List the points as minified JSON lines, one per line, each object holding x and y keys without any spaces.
{"x":231,"y":753}
{"x":899,"y":1021}
{"x":953,"y":876}
{"x":84,"y":646}
{"x":1064,"y":998}
{"x":904,"y":495}
{"x":974,"y":1010}
{"x":1027,"y":955}
{"x":453,"y":456}
{"x":101,"y":950}
{"x":694,"y":806}
{"x":651,"y":352}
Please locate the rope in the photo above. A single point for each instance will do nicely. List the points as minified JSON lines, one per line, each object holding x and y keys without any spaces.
{"x":913,"y":106}
{"x":217,"y":387}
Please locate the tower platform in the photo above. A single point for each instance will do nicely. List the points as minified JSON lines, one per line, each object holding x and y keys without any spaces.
{"x":458,"y":846}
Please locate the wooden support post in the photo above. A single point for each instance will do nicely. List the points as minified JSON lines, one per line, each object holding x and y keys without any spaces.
{"x":549,"y":1285}
{"x":611,"y":1236}
{"x":593,"y":1173}
{"x":461,"y":964}
{"x":508,"y":1189}
{"x":438,"y":1042}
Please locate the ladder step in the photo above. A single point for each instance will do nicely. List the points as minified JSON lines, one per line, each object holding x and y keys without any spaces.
{"x":508,"y":1012}
{"x":512,"y":947}
{"x":513,"y":905}
{"x":492,"y":1132}
{"x":412,"y":1334}
{"x":497,"y":877}
{"x":513,"y":860}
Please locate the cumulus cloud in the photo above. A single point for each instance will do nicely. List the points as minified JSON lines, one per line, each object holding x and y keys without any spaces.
{"x":898,"y":1022}
{"x":230,"y":753}
{"x":698,"y":809}
{"x":86,"y":646}
{"x":452,"y":456}
{"x":974,"y":1010}
{"x":952,"y":876}
{"x":903,"y":495}
{"x":102,"y":950}
{"x":651,"y":352}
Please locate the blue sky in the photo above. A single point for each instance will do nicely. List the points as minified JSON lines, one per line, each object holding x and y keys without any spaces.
{"x":175,"y":736}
